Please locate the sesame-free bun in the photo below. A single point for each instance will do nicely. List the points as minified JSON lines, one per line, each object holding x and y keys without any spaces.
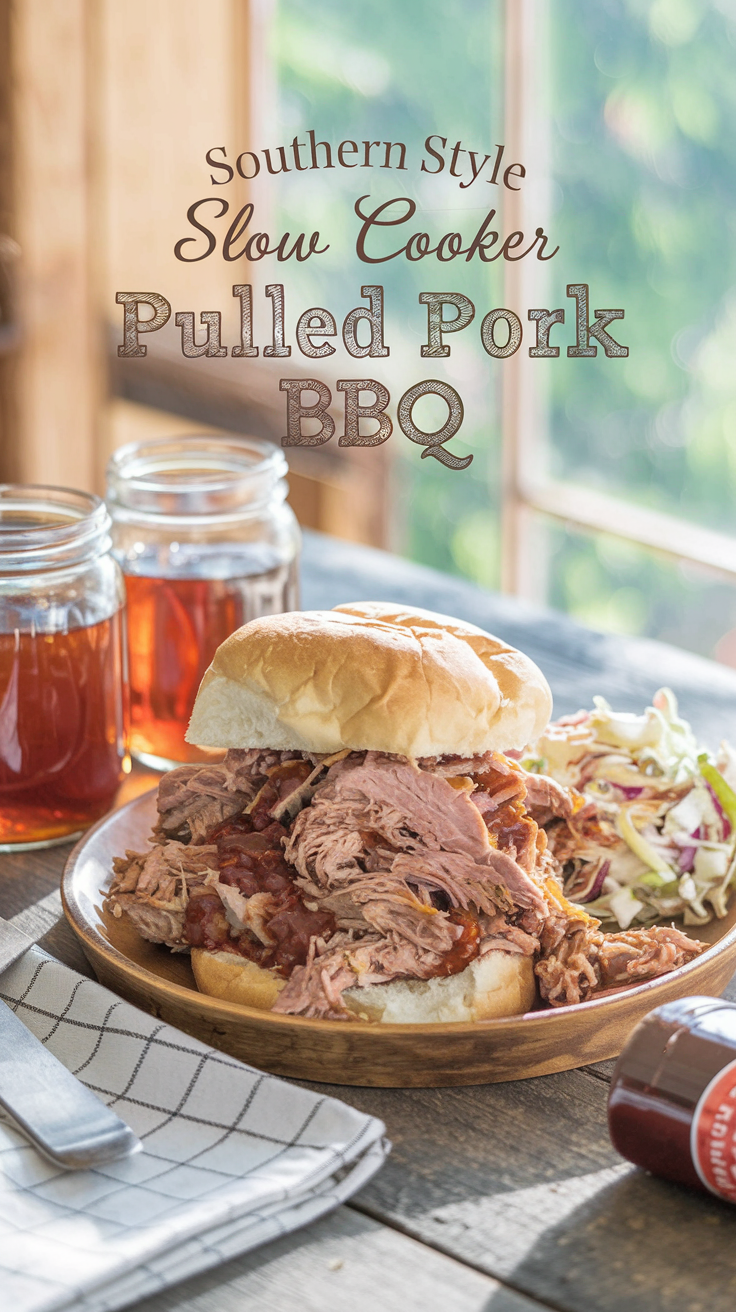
{"x":494,"y":985}
{"x":233,"y":978}
{"x":369,"y":675}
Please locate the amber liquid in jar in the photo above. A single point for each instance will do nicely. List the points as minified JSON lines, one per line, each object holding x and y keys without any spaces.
{"x":672,"y":1105}
{"x":175,"y":625}
{"x":60,"y":729}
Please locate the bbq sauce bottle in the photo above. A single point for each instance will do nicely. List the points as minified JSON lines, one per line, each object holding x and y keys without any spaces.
{"x":672,"y":1105}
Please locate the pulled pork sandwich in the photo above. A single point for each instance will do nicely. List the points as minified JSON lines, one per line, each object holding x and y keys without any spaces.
{"x":366,"y":850}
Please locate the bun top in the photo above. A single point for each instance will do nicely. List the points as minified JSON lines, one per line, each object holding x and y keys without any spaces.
{"x":369,"y":675}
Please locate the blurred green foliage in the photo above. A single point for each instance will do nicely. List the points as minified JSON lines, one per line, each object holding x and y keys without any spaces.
{"x":642,"y":109}
{"x":402,"y":72}
{"x":644,"y":156}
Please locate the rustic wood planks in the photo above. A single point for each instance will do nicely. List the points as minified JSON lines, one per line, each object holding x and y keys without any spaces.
{"x":344,"y":1263}
{"x":517,"y":1183}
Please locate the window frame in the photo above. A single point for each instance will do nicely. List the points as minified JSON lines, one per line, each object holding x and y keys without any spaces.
{"x":529,"y":497}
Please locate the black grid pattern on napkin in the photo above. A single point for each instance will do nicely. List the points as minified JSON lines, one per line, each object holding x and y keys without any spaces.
{"x":231,"y":1156}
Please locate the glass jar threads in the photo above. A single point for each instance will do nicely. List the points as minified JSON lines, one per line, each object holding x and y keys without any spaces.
{"x":61,"y":665}
{"x":206,"y":542}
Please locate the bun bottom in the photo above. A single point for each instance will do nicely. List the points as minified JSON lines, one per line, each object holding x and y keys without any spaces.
{"x":495,"y":985}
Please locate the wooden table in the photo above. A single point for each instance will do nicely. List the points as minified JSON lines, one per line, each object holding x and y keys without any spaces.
{"x":505,"y":1198}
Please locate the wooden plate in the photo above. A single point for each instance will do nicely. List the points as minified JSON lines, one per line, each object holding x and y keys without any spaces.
{"x":393,"y":1056}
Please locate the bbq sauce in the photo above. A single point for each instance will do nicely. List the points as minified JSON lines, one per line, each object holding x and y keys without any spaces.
{"x":250,"y":858}
{"x":672,"y":1105}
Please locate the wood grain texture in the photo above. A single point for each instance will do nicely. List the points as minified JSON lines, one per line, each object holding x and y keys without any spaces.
{"x":394,"y":1056}
{"x":516,"y":1180}
{"x":521,"y":1181}
{"x":26,"y":877}
{"x":345,"y":1261}
{"x":59,"y":365}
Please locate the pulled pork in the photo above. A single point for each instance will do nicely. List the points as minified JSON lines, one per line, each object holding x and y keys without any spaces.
{"x":364,"y":867}
{"x":153,"y":888}
{"x":195,"y":798}
{"x":578,"y":960}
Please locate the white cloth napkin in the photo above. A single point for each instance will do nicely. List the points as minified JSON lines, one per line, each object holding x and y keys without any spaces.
{"x":231,"y":1157}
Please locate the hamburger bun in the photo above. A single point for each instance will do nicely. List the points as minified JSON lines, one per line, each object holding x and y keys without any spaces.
{"x":369,"y":676}
{"x":495,"y":985}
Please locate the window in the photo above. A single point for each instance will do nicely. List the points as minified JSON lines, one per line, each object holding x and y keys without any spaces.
{"x":604,"y":487}
{"x":640,"y":102}
{"x":618,"y":475}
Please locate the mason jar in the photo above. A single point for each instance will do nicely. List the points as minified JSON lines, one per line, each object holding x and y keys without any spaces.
{"x":61,"y":665}
{"x":206,"y":542}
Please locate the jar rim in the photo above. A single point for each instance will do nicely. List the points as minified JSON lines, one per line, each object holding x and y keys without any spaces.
{"x":45,"y":527}
{"x":137,"y":463}
{"x":194,"y":477}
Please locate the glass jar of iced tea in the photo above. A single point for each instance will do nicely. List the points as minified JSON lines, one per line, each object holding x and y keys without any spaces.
{"x":206,"y":542}
{"x":61,"y":665}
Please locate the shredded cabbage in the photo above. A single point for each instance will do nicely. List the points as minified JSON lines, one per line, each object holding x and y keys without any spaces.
{"x":647,"y":854}
{"x":723,"y":790}
{"x":665,"y":815}
{"x":658,"y":738}
{"x":625,"y":906}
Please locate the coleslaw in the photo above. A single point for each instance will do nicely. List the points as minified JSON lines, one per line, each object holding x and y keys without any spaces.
{"x":653,"y":829}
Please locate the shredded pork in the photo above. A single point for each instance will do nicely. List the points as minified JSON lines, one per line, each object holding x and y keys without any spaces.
{"x":153,"y":888}
{"x":412,"y":868}
{"x":578,"y":960}
{"x":193,"y":799}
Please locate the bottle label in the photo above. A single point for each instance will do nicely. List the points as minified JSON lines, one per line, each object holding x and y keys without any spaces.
{"x":713,"y":1134}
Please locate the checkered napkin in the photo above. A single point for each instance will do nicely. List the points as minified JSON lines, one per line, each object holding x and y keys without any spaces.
{"x":231,"y":1157}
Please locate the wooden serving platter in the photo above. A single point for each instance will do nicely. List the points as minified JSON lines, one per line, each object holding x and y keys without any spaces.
{"x":392,"y":1056}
